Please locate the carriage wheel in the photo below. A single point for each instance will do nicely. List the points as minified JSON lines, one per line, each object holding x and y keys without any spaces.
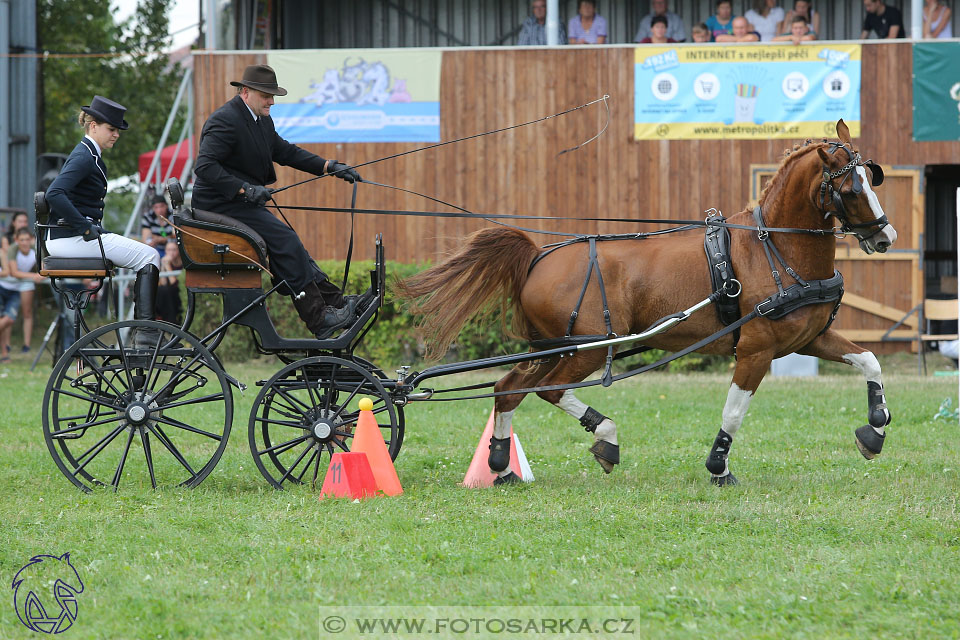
{"x":308,"y":411}
{"x":160,"y":416}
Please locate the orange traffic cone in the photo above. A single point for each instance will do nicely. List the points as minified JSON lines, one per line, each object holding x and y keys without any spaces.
{"x":348,"y":476}
{"x":369,"y":440}
{"x":479,"y":473}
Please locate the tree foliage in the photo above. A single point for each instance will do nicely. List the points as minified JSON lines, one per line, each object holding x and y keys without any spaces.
{"x":131,"y":70}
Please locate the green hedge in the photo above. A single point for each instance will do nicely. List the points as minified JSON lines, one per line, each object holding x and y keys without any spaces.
{"x":393,"y":339}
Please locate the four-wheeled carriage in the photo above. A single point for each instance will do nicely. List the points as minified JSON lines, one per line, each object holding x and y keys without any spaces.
{"x":113,"y":413}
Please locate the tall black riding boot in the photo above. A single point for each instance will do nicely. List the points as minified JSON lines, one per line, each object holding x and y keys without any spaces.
{"x":144,"y":306}
{"x":322,"y":318}
{"x":310,"y":306}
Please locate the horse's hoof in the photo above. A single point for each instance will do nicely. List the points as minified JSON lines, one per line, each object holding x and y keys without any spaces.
{"x":606,"y":454}
{"x":728,"y":480}
{"x":510,"y":478}
{"x":869,"y":442}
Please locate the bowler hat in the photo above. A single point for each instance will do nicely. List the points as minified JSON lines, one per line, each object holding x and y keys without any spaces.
{"x":106,"y":110}
{"x":262,"y":78}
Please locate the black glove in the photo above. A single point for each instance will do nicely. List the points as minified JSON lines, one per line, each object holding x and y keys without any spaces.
{"x":255,"y":194}
{"x":91,"y":234}
{"x":344,"y":172}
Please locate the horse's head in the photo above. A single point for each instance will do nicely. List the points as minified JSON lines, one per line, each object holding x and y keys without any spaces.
{"x":845,"y":192}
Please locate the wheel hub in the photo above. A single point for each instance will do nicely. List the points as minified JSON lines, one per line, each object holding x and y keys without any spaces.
{"x":137,"y":413}
{"x":322,"y":424}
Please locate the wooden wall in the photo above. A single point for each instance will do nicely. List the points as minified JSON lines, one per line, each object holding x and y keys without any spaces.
{"x":520,"y":171}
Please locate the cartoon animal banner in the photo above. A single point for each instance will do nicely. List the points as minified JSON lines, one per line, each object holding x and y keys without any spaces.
{"x":358,"y":95}
{"x":936,"y":91}
{"x":758,"y":91}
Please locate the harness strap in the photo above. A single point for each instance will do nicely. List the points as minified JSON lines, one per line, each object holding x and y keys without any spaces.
{"x":346,"y":266}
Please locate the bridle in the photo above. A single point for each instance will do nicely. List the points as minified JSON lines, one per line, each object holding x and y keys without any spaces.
{"x":829,"y":194}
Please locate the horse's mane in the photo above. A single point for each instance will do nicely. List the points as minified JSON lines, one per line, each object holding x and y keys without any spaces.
{"x":789,"y":156}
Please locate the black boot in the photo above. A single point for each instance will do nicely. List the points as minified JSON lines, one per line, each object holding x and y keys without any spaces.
{"x":310,"y":306}
{"x":321,"y":317}
{"x":334,"y":318}
{"x":144,"y":306}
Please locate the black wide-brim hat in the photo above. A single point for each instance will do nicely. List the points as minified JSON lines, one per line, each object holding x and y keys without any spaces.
{"x":106,"y":110}
{"x":262,"y":78}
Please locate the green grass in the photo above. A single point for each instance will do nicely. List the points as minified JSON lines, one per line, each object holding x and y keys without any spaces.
{"x":816,"y":542}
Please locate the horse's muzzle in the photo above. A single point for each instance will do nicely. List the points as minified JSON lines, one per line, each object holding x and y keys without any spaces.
{"x":881,"y":241}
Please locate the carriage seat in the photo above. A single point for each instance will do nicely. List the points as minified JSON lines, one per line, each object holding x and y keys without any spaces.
{"x":59,"y":267}
{"x":220,"y":230}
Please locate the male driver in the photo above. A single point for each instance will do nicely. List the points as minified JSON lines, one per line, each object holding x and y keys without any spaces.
{"x":675,"y":28}
{"x":238,"y":146}
{"x":885,"y":21}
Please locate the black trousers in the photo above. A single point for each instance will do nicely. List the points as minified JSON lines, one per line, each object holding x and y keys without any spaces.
{"x":289,"y":259}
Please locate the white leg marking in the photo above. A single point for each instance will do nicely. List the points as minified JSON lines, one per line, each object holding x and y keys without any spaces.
{"x":606,"y":430}
{"x":738,"y":401}
{"x":501,"y":424}
{"x":869,"y":366}
{"x":888,"y":231}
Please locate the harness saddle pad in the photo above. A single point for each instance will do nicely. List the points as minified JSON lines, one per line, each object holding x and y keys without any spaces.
{"x":716,"y":244}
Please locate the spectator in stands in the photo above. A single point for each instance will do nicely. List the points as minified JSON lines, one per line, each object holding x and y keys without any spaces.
{"x":8,"y":247}
{"x":741,"y":32}
{"x":764,"y":18}
{"x":882,"y":19}
{"x":700,"y":33}
{"x":533,"y":31}
{"x":587,"y":27}
{"x":155,"y":227}
{"x":19,"y":221}
{"x":658,"y":32}
{"x":23,"y":266}
{"x":936,"y":20}
{"x":800,"y":31}
{"x":801,"y":8}
{"x":169,"y":306}
{"x":722,"y":22}
{"x":676,"y":32}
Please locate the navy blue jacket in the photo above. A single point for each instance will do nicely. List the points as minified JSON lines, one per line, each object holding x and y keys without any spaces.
{"x":76,"y":195}
{"x":235,"y":149}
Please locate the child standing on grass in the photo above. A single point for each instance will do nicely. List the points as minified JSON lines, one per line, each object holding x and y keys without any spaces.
{"x":23,"y":266}
{"x":9,"y":304}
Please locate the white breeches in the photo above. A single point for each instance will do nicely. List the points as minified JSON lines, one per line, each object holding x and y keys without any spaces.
{"x":120,"y":250}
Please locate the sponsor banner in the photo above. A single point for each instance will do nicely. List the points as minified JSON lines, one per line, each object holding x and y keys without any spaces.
{"x":686,"y":92}
{"x":936,"y":91}
{"x":357,"y":95}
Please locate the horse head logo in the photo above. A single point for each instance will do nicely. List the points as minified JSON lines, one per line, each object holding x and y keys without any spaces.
{"x":45,"y":593}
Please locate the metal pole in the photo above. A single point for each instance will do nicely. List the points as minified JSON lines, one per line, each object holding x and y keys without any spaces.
{"x":212,"y":26}
{"x":916,"y":19}
{"x":4,"y":104}
{"x":553,"y":22}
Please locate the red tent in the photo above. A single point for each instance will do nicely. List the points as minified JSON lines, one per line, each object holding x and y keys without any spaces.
{"x":166,"y":157}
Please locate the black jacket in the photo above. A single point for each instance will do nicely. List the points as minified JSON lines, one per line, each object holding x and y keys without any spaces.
{"x":234,"y":149}
{"x":76,"y":195}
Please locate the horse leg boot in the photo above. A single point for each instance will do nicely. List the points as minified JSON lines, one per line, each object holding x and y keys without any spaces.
{"x":738,"y":401}
{"x":144,"y":306}
{"x":833,"y":346}
{"x":605,"y":449}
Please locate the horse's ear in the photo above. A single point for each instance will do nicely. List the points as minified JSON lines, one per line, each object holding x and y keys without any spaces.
{"x":842,"y":131}
{"x":826,"y":157}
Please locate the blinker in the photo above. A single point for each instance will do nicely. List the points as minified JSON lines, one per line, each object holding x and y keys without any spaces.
{"x":877,"y":172}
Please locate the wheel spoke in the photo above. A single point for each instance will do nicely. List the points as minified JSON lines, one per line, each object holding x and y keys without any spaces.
{"x":87,"y":425}
{"x":316,"y":468}
{"x":294,"y":466}
{"x":306,"y":381}
{"x":97,"y":448}
{"x":87,"y":398}
{"x":173,"y":422}
{"x":208,"y":398}
{"x":123,"y":461}
{"x":282,"y":423}
{"x":123,"y":358}
{"x":292,"y":400}
{"x":280,"y":448}
{"x":344,"y":404}
{"x":175,"y":377}
{"x":145,"y":438}
{"x":172,"y":448}
{"x":97,"y":372}
{"x":315,"y":454}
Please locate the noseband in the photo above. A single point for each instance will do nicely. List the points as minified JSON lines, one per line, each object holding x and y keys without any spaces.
{"x":829,"y":194}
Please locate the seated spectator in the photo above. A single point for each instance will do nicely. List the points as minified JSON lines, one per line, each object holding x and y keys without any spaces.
{"x":155,"y":229}
{"x":799,"y":32}
{"x":169,"y":306}
{"x":722,"y":22}
{"x":587,"y":27}
{"x":533,"y":31}
{"x":884,"y":20}
{"x":658,"y":32}
{"x":676,"y":32}
{"x":800,"y":8}
{"x":764,"y":18}
{"x":741,"y":32}
{"x":700,"y":33}
{"x":23,"y":266}
{"x":936,"y":20}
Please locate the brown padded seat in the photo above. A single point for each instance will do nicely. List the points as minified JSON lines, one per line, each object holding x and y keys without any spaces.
{"x":217,"y":228}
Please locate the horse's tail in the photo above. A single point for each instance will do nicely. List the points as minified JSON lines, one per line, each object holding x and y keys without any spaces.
{"x":491,"y":263}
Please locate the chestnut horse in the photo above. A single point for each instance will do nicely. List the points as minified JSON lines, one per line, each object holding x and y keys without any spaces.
{"x":648,"y":279}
